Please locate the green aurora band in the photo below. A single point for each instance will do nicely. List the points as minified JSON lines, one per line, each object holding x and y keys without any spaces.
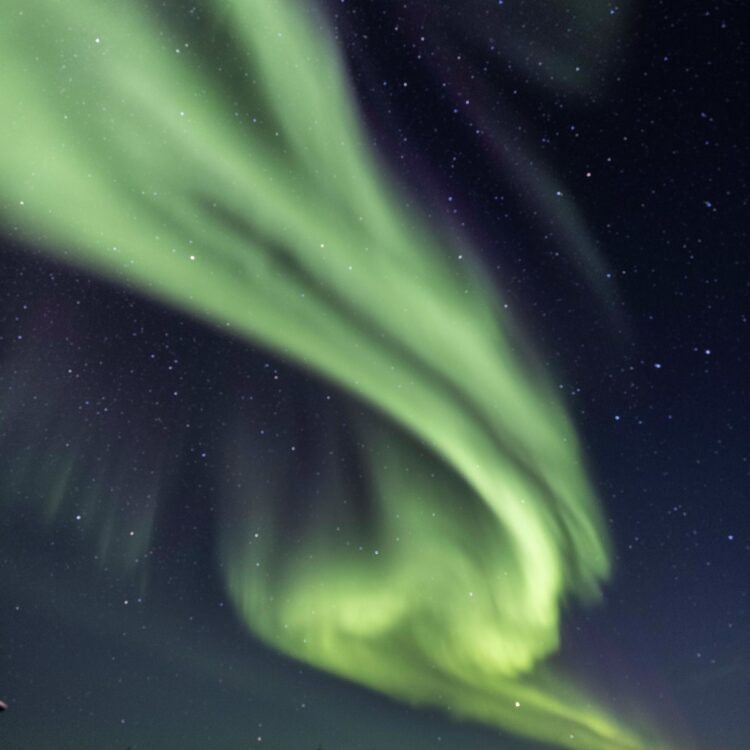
{"x":215,"y":161}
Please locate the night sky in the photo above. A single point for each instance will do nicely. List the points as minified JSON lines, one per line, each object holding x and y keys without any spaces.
{"x":592,"y":158}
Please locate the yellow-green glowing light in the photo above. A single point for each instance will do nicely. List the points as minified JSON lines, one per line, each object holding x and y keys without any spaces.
{"x":217,"y":164}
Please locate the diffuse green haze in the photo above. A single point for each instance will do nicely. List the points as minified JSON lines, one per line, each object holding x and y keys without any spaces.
{"x":233,"y":182}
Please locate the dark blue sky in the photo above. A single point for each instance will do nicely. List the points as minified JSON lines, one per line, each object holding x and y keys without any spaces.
{"x":613,"y":211}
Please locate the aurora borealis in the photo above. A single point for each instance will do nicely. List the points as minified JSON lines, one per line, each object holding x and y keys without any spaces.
{"x":429,"y":539}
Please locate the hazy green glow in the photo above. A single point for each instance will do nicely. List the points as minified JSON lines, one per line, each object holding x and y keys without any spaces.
{"x":237,"y":185}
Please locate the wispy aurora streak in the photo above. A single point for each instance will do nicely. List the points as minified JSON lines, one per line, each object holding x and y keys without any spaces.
{"x":217,"y":164}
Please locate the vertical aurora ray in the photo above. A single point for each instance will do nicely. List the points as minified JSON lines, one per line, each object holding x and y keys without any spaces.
{"x":218,"y":165}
